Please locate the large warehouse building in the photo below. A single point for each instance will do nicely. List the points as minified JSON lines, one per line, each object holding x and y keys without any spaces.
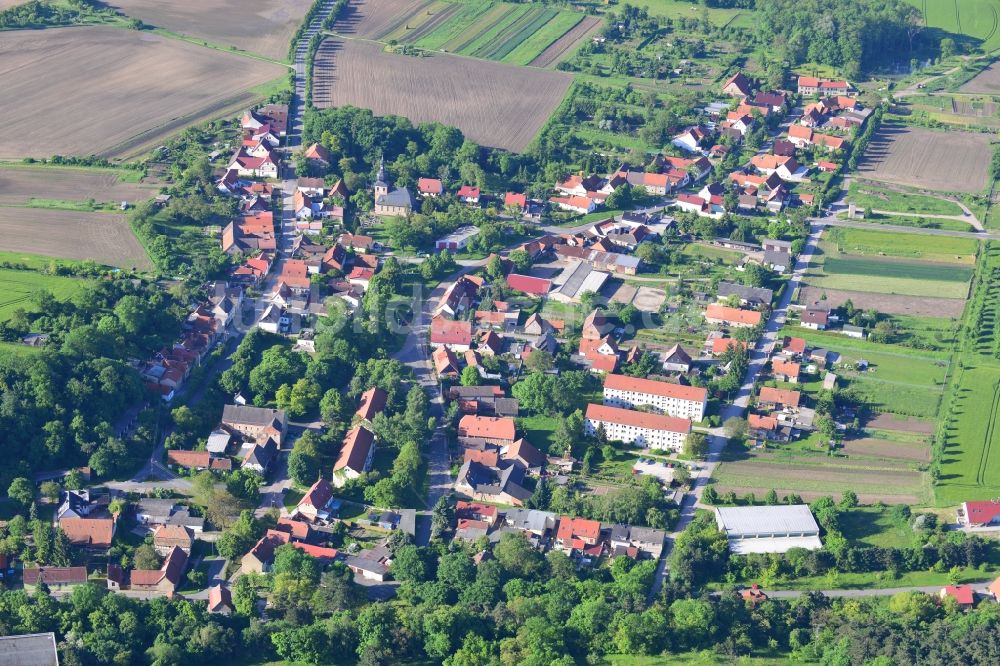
{"x":768,"y":529}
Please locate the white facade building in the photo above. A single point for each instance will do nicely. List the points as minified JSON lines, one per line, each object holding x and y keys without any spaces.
{"x":653,"y":431}
{"x":686,"y":402}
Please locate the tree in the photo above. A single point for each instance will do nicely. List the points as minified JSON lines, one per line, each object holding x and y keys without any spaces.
{"x":518,"y":557}
{"x":470,"y":376}
{"x":539,"y":360}
{"x":695,"y":445}
{"x":146,"y":558}
{"x":735,"y":427}
{"x":21,"y":491}
{"x":710,"y":496}
{"x":848,"y":500}
{"x":948,"y":47}
{"x":50,"y":490}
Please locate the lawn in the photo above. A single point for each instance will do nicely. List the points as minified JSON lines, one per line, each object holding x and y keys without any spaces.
{"x":874,"y":526}
{"x":904,"y":245}
{"x":540,"y":430}
{"x":970,"y":462}
{"x":881,"y":580}
{"x":914,"y":221}
{"x":933,"y":333}
{"x":712,"y":253}
{"x":705,"y":658}
{"x":867,"y":195}
{"x":17,"y":287}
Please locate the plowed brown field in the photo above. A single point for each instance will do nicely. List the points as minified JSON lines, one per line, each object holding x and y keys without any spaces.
{"x":95,"y":90}
{"x":492,"y":103}
{"x":264,"y":27}
{"x":17,"y":186}
{"x":103,"y":237}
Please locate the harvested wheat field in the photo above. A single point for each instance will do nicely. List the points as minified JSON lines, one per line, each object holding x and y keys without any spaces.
{"x":564,"y":46}
{"x":493,"y":104}
{"x":264,"y":27}
{"x":987,"y":81}
{"x":919,"y":157}
{"x":901,"y":424}
{"x":108,"y":91}
{"x":19,"y":185}
{"x":103,"y":237}
{"x":923,"y":306}
{"x":373,"y":19}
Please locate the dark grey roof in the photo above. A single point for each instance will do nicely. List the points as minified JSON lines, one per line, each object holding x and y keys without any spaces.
{"x":750,"y":294}
{"x":528,"y":519}
{"x":258,"y":416}
{"x":470,"y":392}
{"x":155,"y":507}
{"x":777,"y":258}
{"x":399,"y":197}
{"x":29,"y":650}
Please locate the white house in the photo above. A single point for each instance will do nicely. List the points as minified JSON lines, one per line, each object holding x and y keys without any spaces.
{"x":673,"y":399}
{"x":690,"y":139}
{"x":641,"y":428}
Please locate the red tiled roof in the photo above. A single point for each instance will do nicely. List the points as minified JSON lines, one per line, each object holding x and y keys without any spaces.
{"x":429,"y":186}
{"x":449,"y":332}
{"x":319,"y":552}
{"x":468,"y":192}
{"x":89,"y":531}
{"x":963,"y":594}
{"x":523,"y":450}
{"x":318,"y":495}
{"x":732,"y":315}
{"x":978,"y":513}
{"x":720,"y":345}
{"x":571,"y":528}
{"x":788,"y":368}
{"x":514,"y":199}
{"x":637,"y":419}
{"x":794,"y":345}
{"x":784,"y":397}
{"x":651,"y":386}
{"x":295,"y":528}
{"x":762,"y":422}
{"x":488,"y":427}
{"x":372,"y":402}
{"x":528,"y":284}
{"x":354,"y":451}
{"x":490,"y":458}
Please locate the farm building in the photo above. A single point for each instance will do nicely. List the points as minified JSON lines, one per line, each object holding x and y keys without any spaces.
{"x":576,"y":280}
{"x":768,"y":529}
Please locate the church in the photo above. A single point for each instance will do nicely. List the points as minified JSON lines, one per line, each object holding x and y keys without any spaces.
{"x":394,"y":202}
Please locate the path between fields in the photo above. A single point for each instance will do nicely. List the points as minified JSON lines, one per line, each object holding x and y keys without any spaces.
{"x":867,"y":592}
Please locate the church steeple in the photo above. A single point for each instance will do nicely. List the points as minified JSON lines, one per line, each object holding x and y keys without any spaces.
{"x":381,"y":187}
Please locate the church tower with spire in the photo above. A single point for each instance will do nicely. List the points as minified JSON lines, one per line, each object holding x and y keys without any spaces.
{"x":381,"y":184}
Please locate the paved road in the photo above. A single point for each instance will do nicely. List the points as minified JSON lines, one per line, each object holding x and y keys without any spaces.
{"x":416,"y":355}
{"x":869,"y":592}
{"x":717,"y":439}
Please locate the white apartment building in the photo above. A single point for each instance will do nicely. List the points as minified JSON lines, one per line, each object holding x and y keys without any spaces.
{"x":653,"y":431}
{"x":686,"y":402}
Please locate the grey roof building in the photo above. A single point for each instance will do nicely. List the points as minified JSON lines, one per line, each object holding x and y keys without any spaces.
{"x":752,"y":295}
{"x":530,"y":520}
{"x":29,"y":650}
{"x":768,"y":529}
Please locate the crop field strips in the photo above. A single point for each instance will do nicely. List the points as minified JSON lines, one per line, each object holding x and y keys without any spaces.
{"x":889,"y":277}
{"x":971,"y":458}
{"x":536,"y":43}
{"x":454,"y":27}
{"x":489,"y":34}
{"x":904,"y":245}
{"x":897,"y":269}
{"x":518,"y":31}
{"x":424,"y":22}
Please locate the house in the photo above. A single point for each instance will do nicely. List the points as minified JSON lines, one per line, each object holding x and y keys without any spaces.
{"x":356,"y":454}
{"x":963,"y":595}
{"x":735,"y":317}
{"x":766,"y":429}
{"x":814,"y":318}
{"x":153,"y":511}
{"x":527,"y":284}
{"x":979,"y":514}
{"x":468,"y":529}
{"x":584,"y":186}
{"x":311,"y":187}
{"x":523,"y":453}
{"x":536,"y":325}
{"x":372,"y":402}
{"x":168,"y":537}
{"x":260,"y":457}
{"x":256,"y":423}
{"x":317,"y":153}
{"x":390,"y":201}
{"x":371,"y":564}
{"x":785,"y":371}
{"x":786,"y":167}
{"x":459,"y":296}
{"x":490,"y":344}
{"x":574,"y":204}
{"x":676,"y":359}
{"x":752,"y":296}
{"x":491,"y":429}
{"x":772,"y":398}
{"x":690,"y":139}
{"x":166,"y":579}
{"x":429,"y":187}
{"x":596,"y":326}
{"x":491,"y":484}
{"x":768,"y":529}
{"x":79,"y":504}
{"x":778,"y":254}
{"x":445,"y":362}
{"x":90,"y":534}
{"x":456,"y":335}
{"x":775,"y":100}
{"x":575,"y":533}
{"x":55,"y":578}
{"x":357,"y":242}
{"x":515,"y":200}
{"x":475,"y":511}
{"x":673,"y":399}
{"x":458,"y":239}
{"x":640,"y":428}
{"x":259,"y":558}
{"x":316,"y":503}
{"x":602,"y":354}
{"x":800,"y":135}
{"x":737,"y":85}
{"x":220,"y":600}
{"x":645,"y":540}
{"x":468,"y":194}
{"x":810,"y":85}
{"x":793,"y":346}
{"x":297,"y":530}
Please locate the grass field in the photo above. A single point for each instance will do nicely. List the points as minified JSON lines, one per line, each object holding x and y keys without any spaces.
{"x":901,"y":270}
{"x":970,"y":463}
{"x":914,"y":221}
{"x":16,"y":288}
{"x":875,"y":526}
{"x":866,"y":195}
{"x":857,"y":274}
{"x":976,"y":19}
{"x":904,"y":245}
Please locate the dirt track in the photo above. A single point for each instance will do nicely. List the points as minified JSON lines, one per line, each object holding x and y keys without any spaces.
{"x":492,"y":103}
{"x":104,"y":86}
{"x":264,"y":27}
{"x":104,"y":237}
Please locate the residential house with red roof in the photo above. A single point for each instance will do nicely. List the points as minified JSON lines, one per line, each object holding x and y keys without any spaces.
{"x":785,"y":371}
{"x":220,"y":600}
{"x":734,"y":317}
{"x":372,"y":402}
{"x":166,"y":579}
{"x":653,"y":431}
{"x":575,"y":204}
{"x":690,"y":139}
{"x":91,"y":534}
{"x":356,"y":454}
{"x":430,"y":187}
{"x":673,"y":399}
{"x":963,"y":595}
{"x":737,"y":85}
{"x":316,"y":503}
{"x":260,"y":558}
{"x":491,"y":429}
{"x":445,"y":362}
{"x":468,"y":194}
{"x":456,"y":335}
{"x":773,"y":398}
{"x":810,"y":85}
{"x":979,"y":514}
{"x":318,"y":153}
